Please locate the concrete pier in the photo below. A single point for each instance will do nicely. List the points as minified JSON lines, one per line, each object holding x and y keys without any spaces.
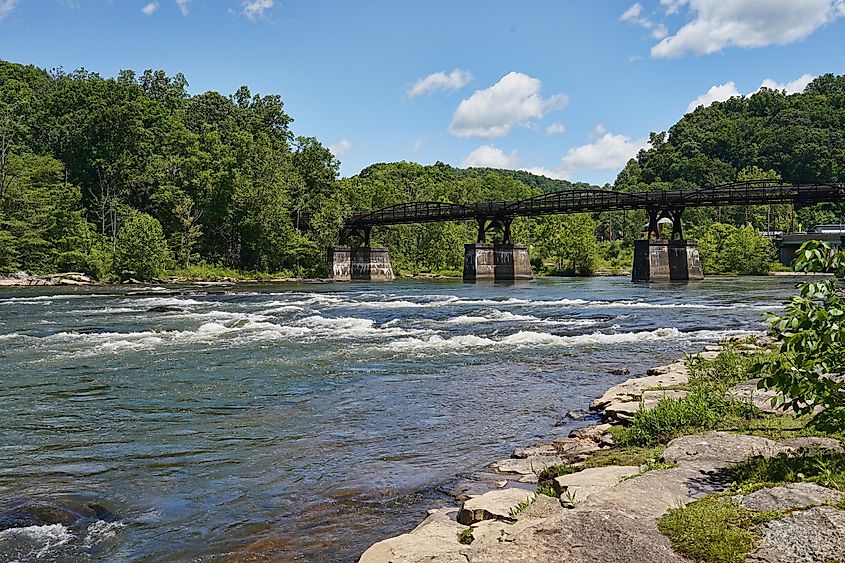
{"x":359,"y":263}
{"x":496,"y":262}
{"x":666,"y":260}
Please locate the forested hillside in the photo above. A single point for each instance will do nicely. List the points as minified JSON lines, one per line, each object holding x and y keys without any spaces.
{"x":133,"y":174}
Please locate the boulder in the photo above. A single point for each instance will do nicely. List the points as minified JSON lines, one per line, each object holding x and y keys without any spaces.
{"x":491,"y":532}
{"x":812,"y":443}
{"x":583,"y":484}
{"x":814,"y":535}
{"x":794,"y":495}
{"x":436,"y":537}
{"x":528,"y":468}
{"x":576,"y":449}
{"x":749,"y":393}
{"x":623,"y":411}
{"x":619,"y":371}
{"x":718,"y":449}
{"x":531,"y":451}
{"x":597,"y":433}
{"x":495,"y":505}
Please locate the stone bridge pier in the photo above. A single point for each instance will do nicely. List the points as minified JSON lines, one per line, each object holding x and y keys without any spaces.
{"x":660,"y":259}
{"x":496,"y":262}
{"x":364,"y":263}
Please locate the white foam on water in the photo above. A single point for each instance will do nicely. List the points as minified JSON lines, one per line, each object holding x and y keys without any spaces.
{"x":164,"y":301}
{"x":628,"y":304}
{"x":531,"y":338}
{"x":100,"y":531}
{"x":507,"y":316}
{"x":45,"y":538}
{"x":344,"y":327}
{"x":11,"y":336}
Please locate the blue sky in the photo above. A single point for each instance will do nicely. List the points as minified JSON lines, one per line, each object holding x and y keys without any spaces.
{"x":566,"y":88}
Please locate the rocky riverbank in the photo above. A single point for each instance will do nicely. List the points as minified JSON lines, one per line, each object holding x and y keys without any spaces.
{"x":595,"y":501}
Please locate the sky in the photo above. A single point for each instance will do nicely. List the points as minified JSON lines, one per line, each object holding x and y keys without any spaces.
{"x":566,"y":88}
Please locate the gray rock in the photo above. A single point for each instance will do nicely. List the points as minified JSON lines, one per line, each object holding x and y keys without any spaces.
{"x":598,"y":433}
{"x":436,"y":538}
{"x":718,"y":449}
{"x":528,"y":468}
{"x":623,"y":411}
{"x":813,"y":443}
{"x":619,"y":371}
{"x":542,"y":449}
{"x":495,"y":505}
{"x":749,"y":393}
{"x":814,"y":535}
{"x":794,"y":495}
{"x":576,"y":449}
{"x":632,"y":389}
{"x":578,"y":487}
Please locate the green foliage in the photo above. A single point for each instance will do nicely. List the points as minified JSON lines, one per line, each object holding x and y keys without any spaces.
{"x":625,"y":454}
{"x":571,"y":241}
{"x":465,"y":536}
{"x":514,"y":512}
{"x":546,"y":490}
{"x":825,"y":468}
{"x":141,"y":248}
{"x":76,"y":261}
{"x":713,"y":530}
{"x":808,"y":371}
{"x":726,"y":249}
{"x":552,"y":471}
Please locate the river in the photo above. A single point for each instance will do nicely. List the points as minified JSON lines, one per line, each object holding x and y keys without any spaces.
{"x":307,"y":421}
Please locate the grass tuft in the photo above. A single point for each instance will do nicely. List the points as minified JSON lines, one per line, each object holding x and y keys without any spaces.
{"x":465,"y":536}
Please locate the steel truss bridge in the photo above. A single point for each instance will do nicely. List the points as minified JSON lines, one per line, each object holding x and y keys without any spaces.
{"x":660,"y":204}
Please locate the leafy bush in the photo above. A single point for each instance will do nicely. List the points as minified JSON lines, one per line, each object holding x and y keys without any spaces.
{"x":825,"y":468}
{"x":808,"y":372}
{"x":141,"y":248}
{"x":726,"y":249}
{"x":76,"y":261}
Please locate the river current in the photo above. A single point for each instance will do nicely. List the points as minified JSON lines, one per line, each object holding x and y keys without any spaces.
{"x":307,"y":421}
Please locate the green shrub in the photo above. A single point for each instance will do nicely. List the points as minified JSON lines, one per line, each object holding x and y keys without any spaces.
{"x":465,"y":536}
{"x":825,"y":468}
{"x":713,"y":530}
{"x":76,"y":261}
{"x":141,"y":248}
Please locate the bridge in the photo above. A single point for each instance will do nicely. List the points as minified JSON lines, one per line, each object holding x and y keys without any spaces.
{"x":654,"y":258}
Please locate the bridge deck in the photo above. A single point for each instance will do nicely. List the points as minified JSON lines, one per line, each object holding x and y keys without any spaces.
{"x":577,"y":201}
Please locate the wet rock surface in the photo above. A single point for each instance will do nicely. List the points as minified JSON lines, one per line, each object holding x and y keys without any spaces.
{"x":495,"y":505}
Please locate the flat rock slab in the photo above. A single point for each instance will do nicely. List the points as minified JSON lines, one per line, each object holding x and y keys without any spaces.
{"x":527,"y":468}
{"x":495,"y":505}
{"x":435,"y":539}
{"x":492,"y":532}
{"x":816,"y":535}
{"x":530,"y":451}
{"x":582,"y":537}
{"x":749,"y":393}
{"x":794,"y":495}
{"x":718,"y":449}
{"x":813,"y":443}
{"x":625,"y":410}
{"x":586,"y":483}
{"x":632,"y":389}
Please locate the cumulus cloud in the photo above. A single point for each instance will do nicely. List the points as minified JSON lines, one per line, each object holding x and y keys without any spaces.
{"x":434,"y":82}
{"x":791,"y":87}
{"x":607,"y":152}
{"x":556,"y":128}
{"x":184,"y":6}
{"x":340,"y":147}
{"x":634,"y":15}
{"x":150,"y":8}
{"x":722,"y":92}
{"x":6,"y":8}
{"x":718,"y":93}
{"x":488,"y":155}
{"x":540,"y":171}
{"x":718,"y":24}
{"x":493,"y":111}
{"x":255,"y":9}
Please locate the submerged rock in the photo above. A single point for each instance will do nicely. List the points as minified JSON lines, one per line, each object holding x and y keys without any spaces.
{"x":164,"y":309}
{"x":21,"y":513}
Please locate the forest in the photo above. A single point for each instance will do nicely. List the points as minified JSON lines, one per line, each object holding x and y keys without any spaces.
{"x":132,"y":176}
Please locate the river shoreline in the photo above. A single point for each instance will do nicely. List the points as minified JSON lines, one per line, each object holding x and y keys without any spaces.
{"x":506,"y":523}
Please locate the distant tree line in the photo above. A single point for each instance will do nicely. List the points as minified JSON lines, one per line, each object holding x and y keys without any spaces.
{"x":133,"y":175}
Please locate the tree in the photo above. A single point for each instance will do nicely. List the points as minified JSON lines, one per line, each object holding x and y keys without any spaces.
{"x":141,"y":249}
{"x":808,"y":372}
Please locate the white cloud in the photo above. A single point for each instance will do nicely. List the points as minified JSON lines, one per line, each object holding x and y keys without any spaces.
{"x":488,"y":155}
{"x":722,"y":92}
{"x":455,"y":80}
{"x":254,"y":9}
{"x":556,"y":128}
{"x":150,"y":8}
{"x":792,"y":87}
{"x":717,"y":24}
{"x":718,"y":93}
{"x":6,"y":8}
{"x":184,"y":6}
{"x":340,"y":147}
{"x":634,"y":15}
{"x":608,"y":152}
{"x":492,"y":112}
{"x":540,"y":171}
